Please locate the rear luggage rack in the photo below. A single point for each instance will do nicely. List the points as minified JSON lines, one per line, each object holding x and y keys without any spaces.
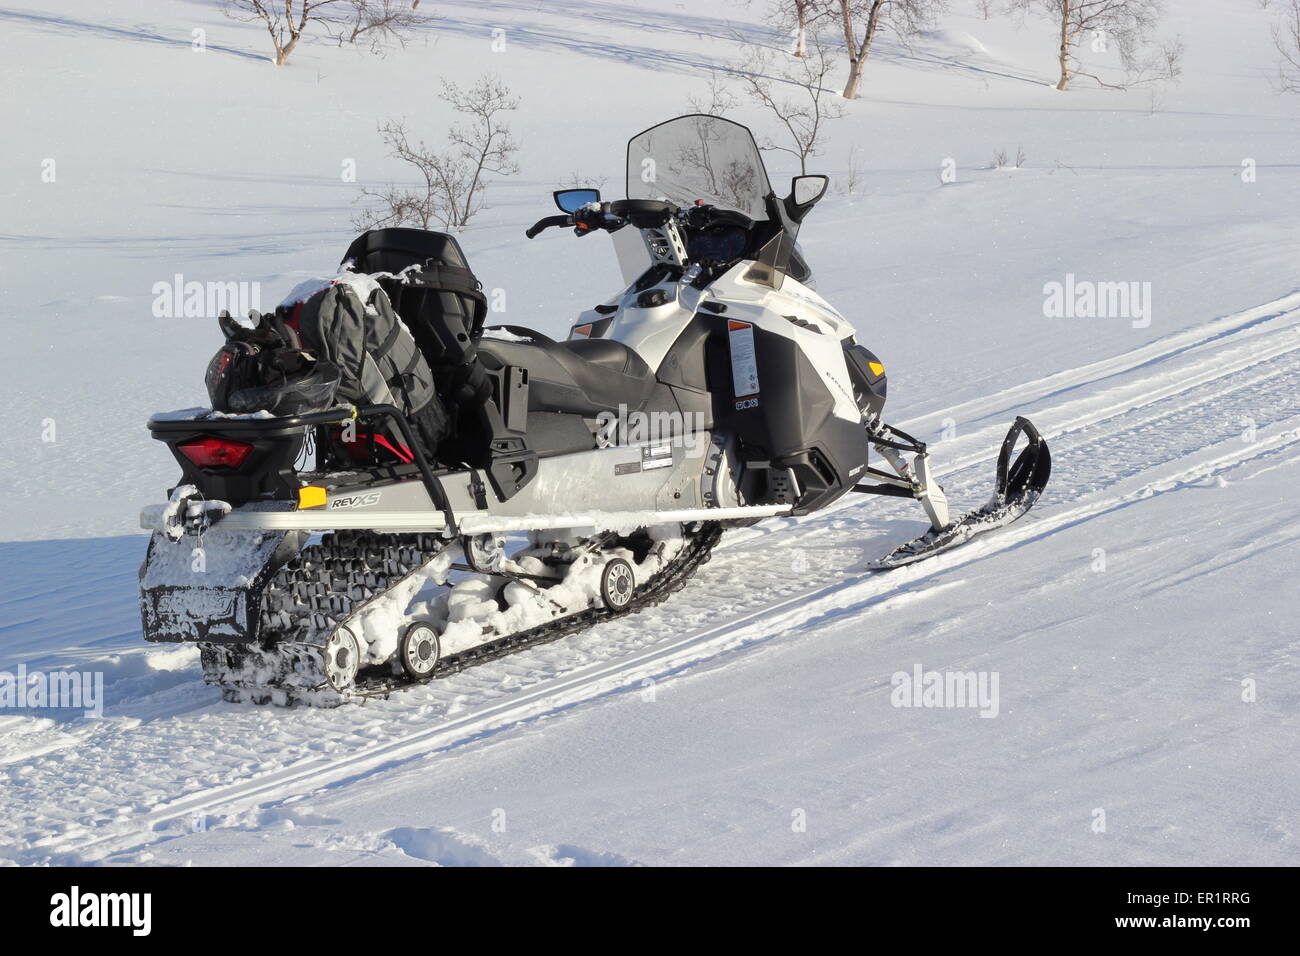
{"x":268,"y":471}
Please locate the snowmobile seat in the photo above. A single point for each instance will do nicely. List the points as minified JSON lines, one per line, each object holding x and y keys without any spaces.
{"x":396,"y":248}
{"x":584,"y":376}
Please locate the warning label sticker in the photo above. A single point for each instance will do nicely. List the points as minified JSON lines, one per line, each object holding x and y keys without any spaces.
{"x":656,"y":456}
{"x":744,"y":362}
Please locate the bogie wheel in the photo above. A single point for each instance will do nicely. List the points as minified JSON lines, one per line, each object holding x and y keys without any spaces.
{"x":342,"y":659}
{"x":617,"y":585}
{"x":419,"y":651}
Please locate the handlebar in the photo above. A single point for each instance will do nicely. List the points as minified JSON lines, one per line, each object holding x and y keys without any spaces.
{"x":547,"y":223}
{"x":642,"y":213}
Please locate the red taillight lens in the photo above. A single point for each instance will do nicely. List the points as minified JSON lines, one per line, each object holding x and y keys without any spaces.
{"x":215,"y":452}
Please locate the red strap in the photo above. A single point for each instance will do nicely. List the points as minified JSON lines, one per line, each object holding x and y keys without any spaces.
{"x":404,"y":453}
{"x":357,"y":450}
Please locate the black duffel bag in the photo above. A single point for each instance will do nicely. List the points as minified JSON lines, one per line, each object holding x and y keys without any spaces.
{"x":263,"y":368}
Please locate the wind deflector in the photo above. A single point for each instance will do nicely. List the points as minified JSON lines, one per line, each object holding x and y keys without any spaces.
{"x":773,"y":262}
{"x":699,"y":158}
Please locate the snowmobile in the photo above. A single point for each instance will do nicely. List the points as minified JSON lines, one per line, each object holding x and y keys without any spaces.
{"x":577,"y":481}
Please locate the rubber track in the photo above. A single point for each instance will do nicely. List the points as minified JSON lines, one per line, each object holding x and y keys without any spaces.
{"x":669,"y":581}
{"x":325,"y":585}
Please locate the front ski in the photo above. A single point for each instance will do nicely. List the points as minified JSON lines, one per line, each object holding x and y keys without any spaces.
{"x":1019,"y":486}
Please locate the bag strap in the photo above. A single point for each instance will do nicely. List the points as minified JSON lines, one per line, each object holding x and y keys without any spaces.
{"x":445,"y":278}
{"x":389,"y":340}
{"x":452,"y":278}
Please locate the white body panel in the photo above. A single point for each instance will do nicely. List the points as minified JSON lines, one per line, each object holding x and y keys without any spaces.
{"x":651,"y":332}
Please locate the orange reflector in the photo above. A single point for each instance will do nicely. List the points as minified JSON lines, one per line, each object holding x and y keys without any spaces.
{"x":582,"y":330}
{"x":876,"y":368}
{"x":311,"y":497}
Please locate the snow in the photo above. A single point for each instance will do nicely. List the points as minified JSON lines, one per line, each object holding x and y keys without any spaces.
{"x":364,"y":285}
{"x":186,"y":507}
{"x":198,"y":414}
{"x":1140,"y":620}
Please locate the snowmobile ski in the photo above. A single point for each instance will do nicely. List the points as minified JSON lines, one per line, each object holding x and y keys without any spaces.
{"x":1019,"y":486}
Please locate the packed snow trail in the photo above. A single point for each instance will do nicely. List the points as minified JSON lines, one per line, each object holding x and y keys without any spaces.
{"x":1178,"y":412}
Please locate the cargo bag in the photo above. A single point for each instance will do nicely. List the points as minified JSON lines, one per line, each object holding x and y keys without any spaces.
{"x":352,"y":324}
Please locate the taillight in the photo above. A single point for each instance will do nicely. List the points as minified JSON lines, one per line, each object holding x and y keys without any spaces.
{"x":215,"y":452}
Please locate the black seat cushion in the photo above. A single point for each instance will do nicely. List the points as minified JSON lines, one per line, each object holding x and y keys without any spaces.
{"x":585,"y":376}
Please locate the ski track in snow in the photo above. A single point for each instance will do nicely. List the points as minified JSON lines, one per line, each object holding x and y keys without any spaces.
{"x":1123,"y":432}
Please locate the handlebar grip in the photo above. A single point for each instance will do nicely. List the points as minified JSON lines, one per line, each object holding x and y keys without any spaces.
{"x":546,"y":224}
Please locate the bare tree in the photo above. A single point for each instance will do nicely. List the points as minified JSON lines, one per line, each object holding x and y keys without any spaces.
{"x":854,"y":175}
{"x":720,"y":101}
{"x":451,"y":182}
{"x":1001,"y":161}
{"x":797,"y":17}
{"x":580,"y":180}
{"x":347,"y":21}
{"x":861,"y":20}
{"x":379,"y":22}
{"x":1129,"y":24}
{"x":796,"y":95}
{"x":1286,"y":37}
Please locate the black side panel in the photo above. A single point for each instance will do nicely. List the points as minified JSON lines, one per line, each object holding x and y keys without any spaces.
{"x":869,"y":386}
{"x":684,"y":366}
{"x":554,"y":433}
{"x":791,"y":422}
{"x":684,"y":369}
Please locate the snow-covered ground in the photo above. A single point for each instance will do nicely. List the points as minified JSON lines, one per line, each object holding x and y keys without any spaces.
{"x":1140,"y":623}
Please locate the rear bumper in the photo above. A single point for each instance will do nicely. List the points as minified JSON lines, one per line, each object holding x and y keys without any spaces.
{"x":209,"y":589}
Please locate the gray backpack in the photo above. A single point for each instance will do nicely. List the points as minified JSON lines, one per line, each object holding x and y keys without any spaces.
{"x":379,"y":363}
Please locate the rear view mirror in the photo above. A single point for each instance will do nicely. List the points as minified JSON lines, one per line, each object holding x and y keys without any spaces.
{"x":806,"y":190}
{"x":571,"y":200}
{"x":804,"y":193}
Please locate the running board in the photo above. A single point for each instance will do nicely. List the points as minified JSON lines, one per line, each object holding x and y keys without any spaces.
{"x":151,"y":519}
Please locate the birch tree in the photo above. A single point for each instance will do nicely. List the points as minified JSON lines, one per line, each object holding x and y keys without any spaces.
{"x":861,"y":20}
{"x":1286,"y":37}
{"x":795,"y":95}
{"x":1128,"y":25}
{"x":347,"y":21}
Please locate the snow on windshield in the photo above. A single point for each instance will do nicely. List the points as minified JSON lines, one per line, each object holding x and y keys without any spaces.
{"x":698,"y":158}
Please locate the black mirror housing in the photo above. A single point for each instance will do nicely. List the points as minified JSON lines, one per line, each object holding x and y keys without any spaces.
{"x":805,"y":191}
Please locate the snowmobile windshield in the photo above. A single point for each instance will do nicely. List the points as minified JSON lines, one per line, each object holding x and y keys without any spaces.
{"x":699,"y":158}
